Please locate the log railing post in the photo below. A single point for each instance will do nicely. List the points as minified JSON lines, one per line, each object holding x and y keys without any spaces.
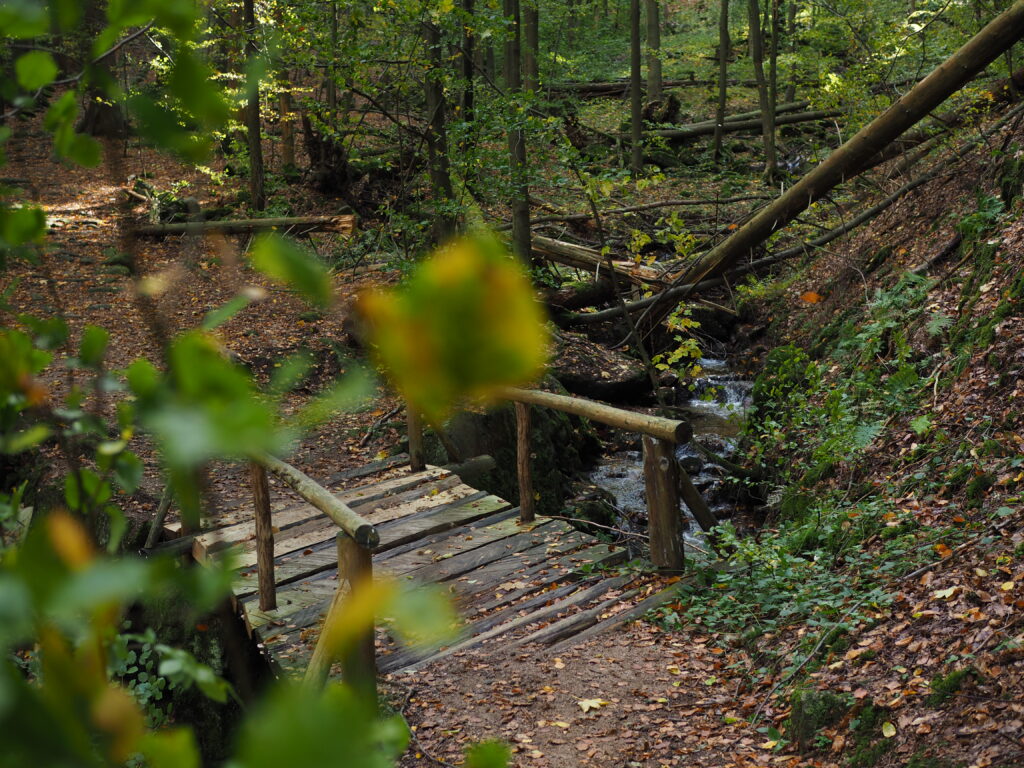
{"x":527,"y":505}
{"x":417,"y":461}
{"x":661,"y":478}
{"x":358,"y":662}
{"x":264,"y":538}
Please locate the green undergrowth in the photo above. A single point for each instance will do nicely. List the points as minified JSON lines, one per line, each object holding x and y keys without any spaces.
{"x":818,"y":438}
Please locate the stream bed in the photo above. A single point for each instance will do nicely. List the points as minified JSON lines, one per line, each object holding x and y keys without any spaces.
{"x":715,"y":405}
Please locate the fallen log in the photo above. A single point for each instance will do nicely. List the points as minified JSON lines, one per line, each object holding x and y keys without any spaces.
{"x":588,"y":259}
{"x":621,"y":87}
{"x":643,"y":207}
{"x":851,"y":158}
{"x":707,"y":128}
{"x":681,"y":291}
{"x":343,"y":224}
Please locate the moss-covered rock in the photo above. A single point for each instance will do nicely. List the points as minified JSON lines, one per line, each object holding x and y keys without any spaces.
{"x":562,"y":445}
{"x":812,"y":711}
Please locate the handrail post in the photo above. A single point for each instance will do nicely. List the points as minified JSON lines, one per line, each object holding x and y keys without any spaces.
{"x":527,"y":503}
{"x":264,"y":538}
{"x":359,"y":663}
{"x":417,"y":462}
{"x":661,"y":478}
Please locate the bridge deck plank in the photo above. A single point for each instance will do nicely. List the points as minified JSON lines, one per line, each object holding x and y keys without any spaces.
{"x":507,"y":578}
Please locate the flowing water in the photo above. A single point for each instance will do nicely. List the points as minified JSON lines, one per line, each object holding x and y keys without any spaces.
{"x":715,"y":406}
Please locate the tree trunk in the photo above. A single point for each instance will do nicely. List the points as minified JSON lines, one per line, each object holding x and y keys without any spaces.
{"x":252,"y":116}
{"x":468,"y":61}
{"x":851,"y":158}
{"x":531,"y":29}
{"x":791,"y":9}
{"x":284,"y":105}
{"x":437,"y":138}
{"x":635,"y":87}
{"x":101,"y":117}
{"x":767,"y":112}
{"x":520,"y":202}
{"x":653,"y":50}
{"x":724,"y":46}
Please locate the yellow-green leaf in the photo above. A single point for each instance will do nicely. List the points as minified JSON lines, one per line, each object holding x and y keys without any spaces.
{"x":465,"y":324}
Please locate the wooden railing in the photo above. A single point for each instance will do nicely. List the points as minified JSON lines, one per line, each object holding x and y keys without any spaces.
{"x":665,"y":480}
{"x":356,"y":541}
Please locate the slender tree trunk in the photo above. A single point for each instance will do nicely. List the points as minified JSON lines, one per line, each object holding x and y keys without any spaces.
{"x":572,"y":21}
{"x":101,"y":117}
{"x":252,"y":116}
{"x":767,"y":113}
{"x":332,"y":74}
{"x":437,"y":137}
{"x":284,"y":106}
{"x":773,"y":59}
{"x":653,"y":50}
{"x":635,"y":89}
{"x":531,"y":30}
{"x":520,"y":202}
{"x":857,"y":153}
{"x":724,"y":47}
{"x":489,"y":66}
{"x":468,"y":61}
{"x":791,"y":9}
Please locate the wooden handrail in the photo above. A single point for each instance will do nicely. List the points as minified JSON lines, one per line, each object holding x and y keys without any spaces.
{"x":654,"y":426}
{"x":364,"y":534}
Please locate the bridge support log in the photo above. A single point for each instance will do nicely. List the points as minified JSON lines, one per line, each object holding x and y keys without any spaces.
{"x":691,"y":497}
{"x":417,"y":461}
{"x":661,"y":478}
{"x":264,"y":538}
{"x":527,"y":503}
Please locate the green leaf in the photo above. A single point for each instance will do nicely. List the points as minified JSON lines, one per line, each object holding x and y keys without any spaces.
{"x":19,"y":226}
{"x":50,"y":332}
{"x":464,"y":325}
{"x":24,"y":440}
{"x":93,"y":346}
{"x":921,"y":424}
{"x":118,"y":523}
{"x":343,"y":397}
{"x":488,"y":754}
{"x":24,"y":18}
{"x":105,"y":582}
{"x":35,"y":69}
{"x":84,"y":150}
{"x":193,"y":84}
{"x":128,"y":471}
{"x":283,"y":260}
{"x":217,"y":317}
{"x":170,"y":748}
{"x":85,"y":489}
{"x":423,"y":617}
{"x":298,"y":725}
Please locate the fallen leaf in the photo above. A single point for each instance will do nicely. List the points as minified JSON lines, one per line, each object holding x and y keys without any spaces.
{"x":888,"y":730}
{"x":588,"y":704}
{"x":810,"y":297}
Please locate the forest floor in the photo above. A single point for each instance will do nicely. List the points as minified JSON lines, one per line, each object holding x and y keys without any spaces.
{"x":646,"y":695}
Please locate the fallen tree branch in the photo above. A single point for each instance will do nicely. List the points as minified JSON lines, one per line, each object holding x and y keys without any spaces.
{"x":681,"y":291}
{"x":344,"y":224}
{"x":587,"y":258}
{"x":735,"y":126}
{"x":851,"y":158}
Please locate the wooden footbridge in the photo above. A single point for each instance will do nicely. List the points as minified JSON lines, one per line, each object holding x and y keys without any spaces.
{"x":515,"y":577}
